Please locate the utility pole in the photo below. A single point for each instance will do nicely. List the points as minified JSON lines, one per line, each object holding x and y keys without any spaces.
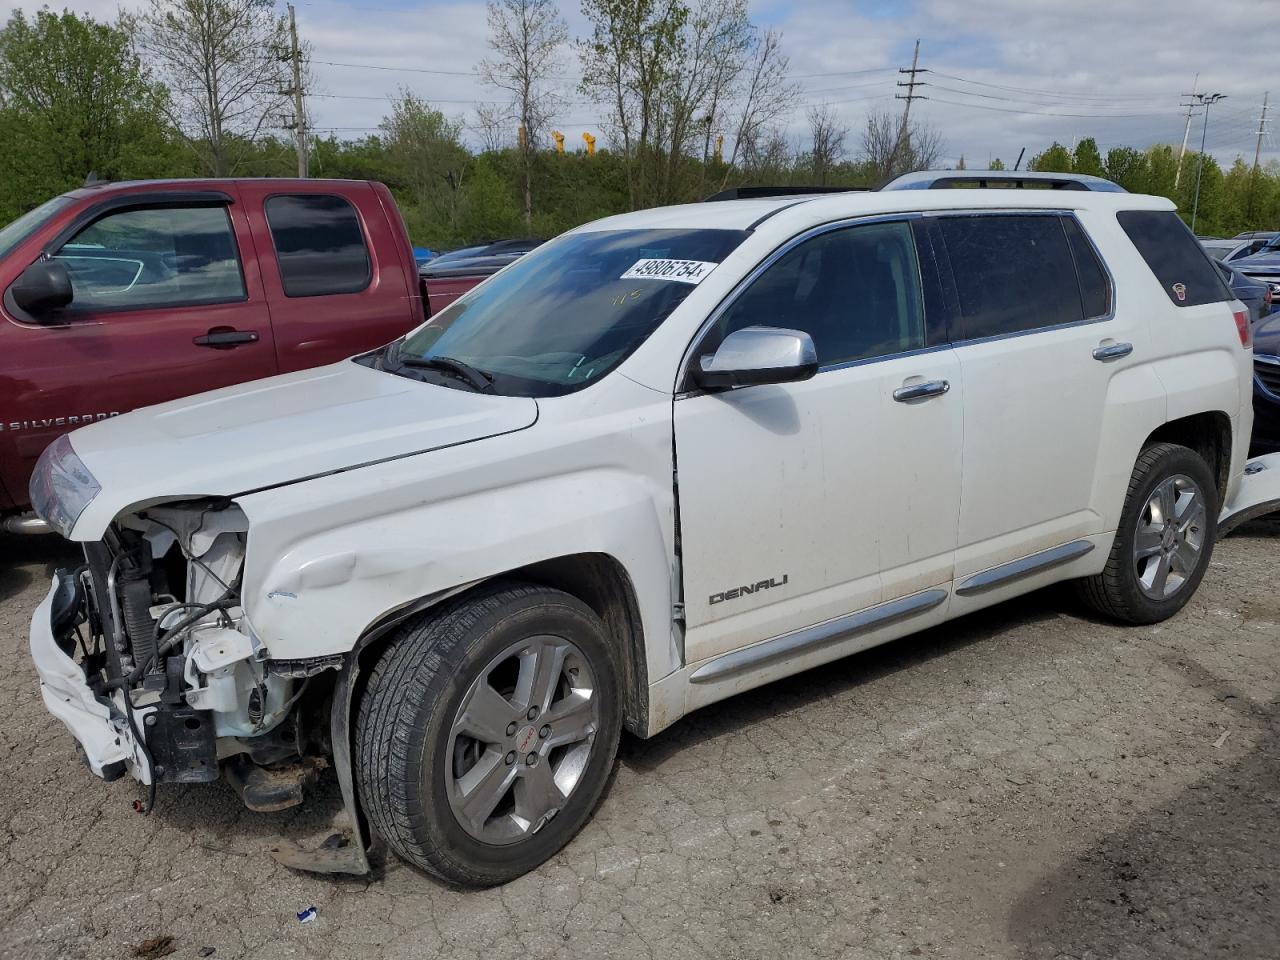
{"x":1186,"y":130}
{"x":1262,"y":127}
{"x":1207,"y":100}
{"x":903,"y":129}
{"x":299,"y":125}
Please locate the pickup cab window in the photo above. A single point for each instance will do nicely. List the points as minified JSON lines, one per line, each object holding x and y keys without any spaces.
{"x":319,"y":245}
{"x":151,"y":257}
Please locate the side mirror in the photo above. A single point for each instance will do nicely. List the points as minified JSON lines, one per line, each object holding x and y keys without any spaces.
{"x":755,"y":355}
{"x":43,"y":288}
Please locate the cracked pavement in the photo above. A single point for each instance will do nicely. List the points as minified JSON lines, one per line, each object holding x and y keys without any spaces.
{"x":1025,"y":782}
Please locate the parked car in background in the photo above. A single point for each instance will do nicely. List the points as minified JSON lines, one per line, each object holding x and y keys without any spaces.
{"x":1233,"y":249}
{"x":1266,"y":386}
{"x":450,"y":275}
{"x":666,"y":458}
{"x":124,"y":295}
{"x":1254,"y":294}
{"x":1263,"y":265}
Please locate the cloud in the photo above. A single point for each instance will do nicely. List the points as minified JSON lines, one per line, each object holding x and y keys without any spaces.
{"x":1054,"y":70}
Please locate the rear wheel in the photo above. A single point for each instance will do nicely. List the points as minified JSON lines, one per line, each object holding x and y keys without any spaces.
{"x":487,"y":732}
{"x":1165,"y":540}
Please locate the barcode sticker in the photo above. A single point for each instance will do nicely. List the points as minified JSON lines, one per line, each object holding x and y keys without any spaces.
{"x":684,"y":271}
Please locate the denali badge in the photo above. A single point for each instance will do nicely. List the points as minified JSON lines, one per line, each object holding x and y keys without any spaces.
{"x":746,"y":588}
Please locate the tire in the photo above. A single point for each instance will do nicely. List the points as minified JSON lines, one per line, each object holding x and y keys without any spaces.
{"x":1130,"y":588}
{"x":418,"y":752}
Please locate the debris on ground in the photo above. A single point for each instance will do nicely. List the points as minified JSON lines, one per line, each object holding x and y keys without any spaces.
{"x":307,"y":915}
{"x":1222,"y":739}
{"x":207,"y":951}
{"x":154,"y":947}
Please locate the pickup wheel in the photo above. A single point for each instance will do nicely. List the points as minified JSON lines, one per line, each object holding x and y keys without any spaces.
{"x":488,"y":731}
{"x":1165,"y":540}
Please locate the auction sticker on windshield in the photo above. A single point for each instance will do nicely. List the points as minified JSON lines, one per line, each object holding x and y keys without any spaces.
{"x":685,"y":271}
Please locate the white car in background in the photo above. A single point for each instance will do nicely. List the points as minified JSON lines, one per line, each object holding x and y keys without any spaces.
{"x":662,"y":459}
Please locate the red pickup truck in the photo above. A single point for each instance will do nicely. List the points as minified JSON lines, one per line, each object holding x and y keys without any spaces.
{"x":123,"y":295}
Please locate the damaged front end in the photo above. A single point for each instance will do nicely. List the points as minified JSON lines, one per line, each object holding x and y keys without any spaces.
{"x":148,"y":658}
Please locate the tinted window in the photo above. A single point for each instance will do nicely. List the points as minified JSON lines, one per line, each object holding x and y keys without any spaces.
{"x":151,"y":257}
{"x":1174,"y":256}
{"x":1094,"y":289}
{"x":319,"y":245}
{"x":567,"y":313}
{"x":856,"y":292}
{"x":1012,"y":273}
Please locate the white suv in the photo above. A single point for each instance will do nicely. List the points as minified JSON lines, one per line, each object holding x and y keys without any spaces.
{"x":665,"y":458}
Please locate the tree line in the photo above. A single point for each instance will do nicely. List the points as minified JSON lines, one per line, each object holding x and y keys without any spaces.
{"x":692,"y":96}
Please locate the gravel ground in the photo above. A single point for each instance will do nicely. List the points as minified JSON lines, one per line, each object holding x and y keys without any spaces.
{"x":1027,"y":782}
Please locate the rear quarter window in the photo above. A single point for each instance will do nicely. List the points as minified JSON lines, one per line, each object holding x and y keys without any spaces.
{"x":319,"y":245}
{"x":1184,"y":270}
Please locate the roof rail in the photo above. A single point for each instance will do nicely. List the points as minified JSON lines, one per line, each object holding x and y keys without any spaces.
{"x":1002,"y":179}
{"x":761,"y":193}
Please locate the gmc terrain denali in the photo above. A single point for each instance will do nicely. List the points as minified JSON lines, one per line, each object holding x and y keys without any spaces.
{"x":662,"y":459}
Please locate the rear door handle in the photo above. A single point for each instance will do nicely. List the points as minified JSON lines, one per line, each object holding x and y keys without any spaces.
{"x":921,"y":391}
{"x":1112,"y":351}
{"x":224,"y":338}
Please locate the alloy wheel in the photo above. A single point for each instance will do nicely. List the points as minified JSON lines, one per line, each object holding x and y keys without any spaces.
{"x":521,"y":739}
{"x":1170,"y":537}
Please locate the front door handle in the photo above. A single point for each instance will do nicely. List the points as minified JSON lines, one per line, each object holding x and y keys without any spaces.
{"x":224,"y":338}
{"x":1112,"y":351}
{"x":921,"y":391}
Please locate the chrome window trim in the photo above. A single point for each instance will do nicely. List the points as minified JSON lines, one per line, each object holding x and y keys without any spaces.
{"x":778,"y":253}
{"x":1042,"y":212}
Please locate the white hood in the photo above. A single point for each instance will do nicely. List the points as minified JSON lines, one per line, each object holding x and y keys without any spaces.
{"x":277,"y":431}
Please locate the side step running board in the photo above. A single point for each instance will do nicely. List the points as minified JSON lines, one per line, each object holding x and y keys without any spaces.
{"x":824,"y":634}
{"x":1023,"y":567}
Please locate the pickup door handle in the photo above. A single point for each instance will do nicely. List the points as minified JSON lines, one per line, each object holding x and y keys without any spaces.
{"x":224,"y":338}
{"x":1112,"y":351}
{"x":921,"y":391}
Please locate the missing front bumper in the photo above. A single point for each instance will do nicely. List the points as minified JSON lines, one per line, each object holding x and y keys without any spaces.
{"x":101,"y":729}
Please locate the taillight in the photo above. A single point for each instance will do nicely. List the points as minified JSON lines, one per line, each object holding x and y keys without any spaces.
{"x":1243,"y":328}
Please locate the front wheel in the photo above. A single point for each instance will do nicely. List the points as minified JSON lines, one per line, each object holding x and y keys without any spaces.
{"x":1165,"y":540}
{"x":488,"y":731}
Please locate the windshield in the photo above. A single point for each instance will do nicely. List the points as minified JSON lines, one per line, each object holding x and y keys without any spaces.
{"x":1272,"y":245}
{"x":564,"y":315}
{"x":28,"y":223}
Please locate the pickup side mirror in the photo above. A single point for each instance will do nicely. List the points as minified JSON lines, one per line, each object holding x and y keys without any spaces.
{"x":43,"y":288}
{"x":755,"y":355}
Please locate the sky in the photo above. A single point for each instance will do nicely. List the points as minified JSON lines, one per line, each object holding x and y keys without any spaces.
{"x":1002,"y":74}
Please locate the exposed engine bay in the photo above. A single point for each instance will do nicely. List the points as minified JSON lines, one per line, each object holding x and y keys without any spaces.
{"x":165,"y":645}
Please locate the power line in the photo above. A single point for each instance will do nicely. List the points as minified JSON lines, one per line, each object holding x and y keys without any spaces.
{"x":1047,"y":93}
{"x":1042,"y":113}
{"x":993,"y":96}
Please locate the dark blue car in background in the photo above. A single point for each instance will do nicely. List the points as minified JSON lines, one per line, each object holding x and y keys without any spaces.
{"x":1266,"y":386}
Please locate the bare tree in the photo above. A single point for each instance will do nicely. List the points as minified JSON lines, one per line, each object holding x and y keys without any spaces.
{"x":764,"y":96}
{"x":525,"y":37}
{"x":886,"y":157}
{"x":222,"y":62}
{"x":492,"y":125}
{"x":672,"y":77}
{"x":826,"y":137}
